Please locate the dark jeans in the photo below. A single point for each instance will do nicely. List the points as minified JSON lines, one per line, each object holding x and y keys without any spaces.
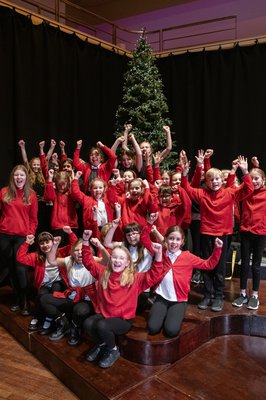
{"x":104,"y":330}
{"x":17,"y":272}
{"x":78,"y":312}
{"x":166,"y":314}
{"x":214,"y":280}
{"x":251,"y":244}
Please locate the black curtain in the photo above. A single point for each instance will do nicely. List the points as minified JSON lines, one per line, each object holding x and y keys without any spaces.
{"x":217,"y":100}
{"x":53,"y":85}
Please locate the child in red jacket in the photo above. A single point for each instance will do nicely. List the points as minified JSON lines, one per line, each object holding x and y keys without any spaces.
{"x":96,"y":168}
{"x":119,"y":286}
{"x":216,"y":210}
{"x":253,"y":233}
{"x":169,"y":307}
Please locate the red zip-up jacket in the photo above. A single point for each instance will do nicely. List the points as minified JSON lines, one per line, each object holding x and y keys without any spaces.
{"x":31,"y":259}
{"x":64,"y":209}
{"x":216,"y":207}
{"x":118,"y":301}
{"x":253,"y":213}
{"x":183,"y":265}
{"x":104,"y":172}
{"x":17,"y":218}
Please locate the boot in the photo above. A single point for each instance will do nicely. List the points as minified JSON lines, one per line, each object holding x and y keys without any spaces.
{"x":24,"y":304}
{"x":62,"y":327}
{"x":74,"y":334}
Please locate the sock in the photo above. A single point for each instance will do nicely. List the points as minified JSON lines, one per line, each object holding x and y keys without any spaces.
{"x":47,"y":323}
{"x":255,"y":294}
{"x":114,"y":348}
{"x":243,"y":292}
{"x":34,"y":321}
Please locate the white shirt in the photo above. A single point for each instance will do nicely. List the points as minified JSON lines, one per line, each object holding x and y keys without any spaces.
{"x":78,"y":275}
{"x":51,"y":274}
{"x":166,"y":288}
{"x":102,"y":218}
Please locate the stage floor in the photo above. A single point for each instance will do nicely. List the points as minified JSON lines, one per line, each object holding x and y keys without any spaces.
{"x":216,"y":356}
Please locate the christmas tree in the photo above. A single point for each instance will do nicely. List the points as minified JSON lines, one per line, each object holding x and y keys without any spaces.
{"x":144,"y":103}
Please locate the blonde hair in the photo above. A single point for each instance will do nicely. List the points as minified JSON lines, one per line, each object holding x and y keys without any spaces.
{"x":35,"y":176}
{"x":11,"y":192}
{"x":127,"y":277}
{"x":213,"y":171}
{"x":258,"y":171}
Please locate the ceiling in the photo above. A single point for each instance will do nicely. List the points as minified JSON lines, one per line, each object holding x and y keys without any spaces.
{"x":118,"y":9}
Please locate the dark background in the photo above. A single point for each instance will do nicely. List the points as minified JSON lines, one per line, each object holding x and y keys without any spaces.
{"x":54,"y":85}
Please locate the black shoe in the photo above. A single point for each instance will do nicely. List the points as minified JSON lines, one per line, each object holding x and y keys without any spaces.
{"x":109,"y":358}
{"x":46,"y":331}
{"x":62,"y":328}
{"x":74,"y":335}
{"x":217,"y":304}
{"x":95,"y":352}
{"x":205,"y":303}
{"x":25,"y":311}
{"x":15,"y":308}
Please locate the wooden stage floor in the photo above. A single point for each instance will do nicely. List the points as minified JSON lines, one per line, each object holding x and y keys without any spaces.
{"x":216,"y":356}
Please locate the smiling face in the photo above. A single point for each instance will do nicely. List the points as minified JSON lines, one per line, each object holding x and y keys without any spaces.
{"x":135,"y":189}
{"x":19,"y":178}
{"x":174,"y":241}
{"x":119,"y":260}
{"x":95,"y":158}
{"x":45,"y":246}
{"x":35,"y":164}
{"x":257,"y":179}
{"x":165,"y":178}
{"x":97,"y":189}
{"x":128,"y":176}
{"x":133,"y":238}
{"x":145,"y":148}
{"x":127,"y":161}
{"x":175,"y":181}
{"x":214,"y":182}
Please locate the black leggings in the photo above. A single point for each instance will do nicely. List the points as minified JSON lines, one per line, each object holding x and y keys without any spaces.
{"x":78,"y":312}
{"x":104,"y":330}
{"x":251,"y":243}
{"x":166,"y":314}
{"x":58,"y":286}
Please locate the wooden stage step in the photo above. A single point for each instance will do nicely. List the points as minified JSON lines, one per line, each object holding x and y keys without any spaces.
{"x":148,"y":362}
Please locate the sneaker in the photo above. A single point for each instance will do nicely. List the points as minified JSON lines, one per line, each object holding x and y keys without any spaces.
{"x":217,"y":304}
{"x":109,"y":358}
{"x":62,"y":328}
{"x":239,"y":301}
{"x":74,"y":335}
{"x":33,"y":325}
{"x":196,"y":277}
{"x":253,"y":303}
{"x":95,"y":352}
{"x":205,"y":303}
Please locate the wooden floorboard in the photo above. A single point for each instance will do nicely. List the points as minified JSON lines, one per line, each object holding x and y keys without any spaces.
{"x":213,"y":357}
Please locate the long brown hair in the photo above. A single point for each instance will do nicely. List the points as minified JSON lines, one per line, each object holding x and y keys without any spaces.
{"x":43,"y":237}
{"x":11,"y":192}
{"x":126,"y":277}
{"x":134,"y":227}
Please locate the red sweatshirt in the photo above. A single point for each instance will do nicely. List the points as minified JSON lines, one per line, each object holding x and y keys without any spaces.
{"x":31,"y":259}
{"x":117,"y":301}
{"x":64,"y":210}
{"x":17,"y":218}
{"x":178,"y":212}
{"x":216,"y":207}
{"x":253,"y":216}
{"x":104,"y":172}
{"x":183,"y":265}
{"x":87,"y":202}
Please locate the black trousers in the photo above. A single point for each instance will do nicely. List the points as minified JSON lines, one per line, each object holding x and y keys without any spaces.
{"x":166,"y":314}
{"x":104,"y":330}
{"x":214,"y":280}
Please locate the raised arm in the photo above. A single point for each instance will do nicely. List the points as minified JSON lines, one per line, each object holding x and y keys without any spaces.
{"x":108,"y":240}
{"x":138,"y":152}
{"x":51,"y":149}
{"x":169,"y":143}
{"x":24,"y":156}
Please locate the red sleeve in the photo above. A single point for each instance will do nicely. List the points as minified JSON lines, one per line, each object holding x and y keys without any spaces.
{"x":63,"y":157}
{"x":24,"y":257}
{"x":109,"y":164}
{"x":49,"y":192}
{"x":77,"y":164}
{"x":230,"y":180}
{"x":76,"y":193}
{"x":207,"y":164}
{"x":44,"y":165}
{"x":149,"y":173}
{"x":33,"y":216}
{"x":145,"y":238}
{"x":183,"y":211}
{"x":196,"y":179}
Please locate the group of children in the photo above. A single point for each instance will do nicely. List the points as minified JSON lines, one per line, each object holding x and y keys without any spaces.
{"x":116,"y":239}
